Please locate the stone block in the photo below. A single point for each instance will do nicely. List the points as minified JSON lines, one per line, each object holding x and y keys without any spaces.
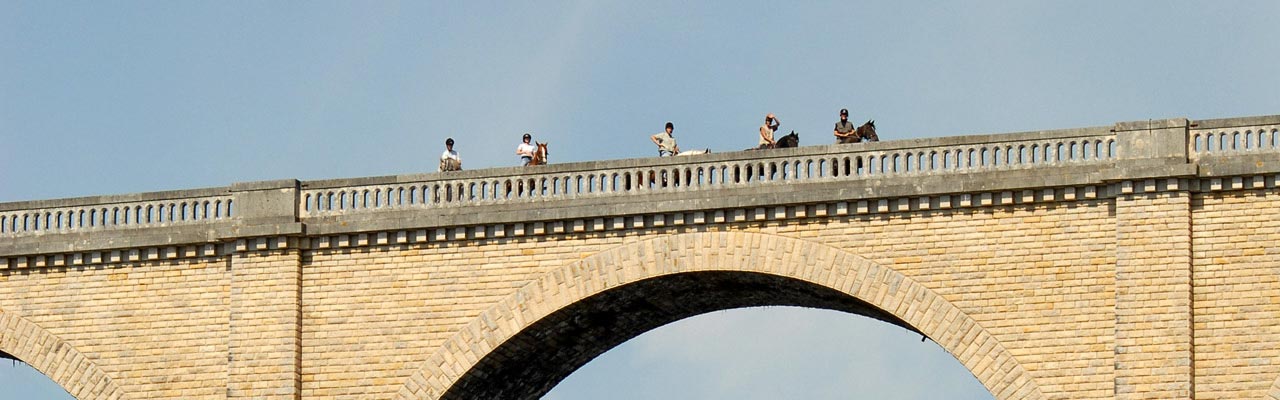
{"x":699,"y":218}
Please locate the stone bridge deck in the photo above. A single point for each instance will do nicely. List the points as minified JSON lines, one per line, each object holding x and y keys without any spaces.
{"x":1153,"y":240}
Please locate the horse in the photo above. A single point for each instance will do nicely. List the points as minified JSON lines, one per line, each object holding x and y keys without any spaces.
{"x":790,"y":140}
{"x":866,"y":132}
{"x":694,"y":152}
{"x":449,"y":164}
{"x":539,"y":156}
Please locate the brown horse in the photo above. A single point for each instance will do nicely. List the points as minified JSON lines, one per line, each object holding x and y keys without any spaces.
{"x":539,"y":156}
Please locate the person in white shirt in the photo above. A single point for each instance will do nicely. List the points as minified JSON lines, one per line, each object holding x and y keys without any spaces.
{"x":450,"y":160}
{"x":526,"y":149}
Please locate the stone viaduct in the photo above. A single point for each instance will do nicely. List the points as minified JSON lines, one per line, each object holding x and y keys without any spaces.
{"x":1133,"y":261}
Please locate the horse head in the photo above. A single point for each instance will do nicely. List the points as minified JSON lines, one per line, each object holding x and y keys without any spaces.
{"x":540,"y":156}
{"x":867,"y":131}
{"x":790,"y":140}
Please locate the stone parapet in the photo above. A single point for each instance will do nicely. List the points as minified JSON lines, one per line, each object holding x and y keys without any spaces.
{"x":891,"y":171}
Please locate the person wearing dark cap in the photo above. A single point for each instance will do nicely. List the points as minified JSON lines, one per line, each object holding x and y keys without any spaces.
{"x":526,"y":149}
{"x":845,"y":131}
{"x":666,"y":142}
{"x":450,"y":160}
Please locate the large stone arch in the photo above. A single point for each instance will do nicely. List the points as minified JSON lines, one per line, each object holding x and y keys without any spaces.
{"x":55,"y":358}
{"x":547,"y":304}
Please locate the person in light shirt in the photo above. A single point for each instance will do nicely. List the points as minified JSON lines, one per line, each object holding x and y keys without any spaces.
{"x":666,"y":141}
{"x":770,"y":126}
{"x":450,"y":160}
{"x":525,"y":150}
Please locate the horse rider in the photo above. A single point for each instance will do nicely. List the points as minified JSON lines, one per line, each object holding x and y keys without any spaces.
{"x":666,"y":142}
{"x":845,"y":132}
{"x":450,"y":160}
{"x":526,"y":149}
{"x":770,"y":126}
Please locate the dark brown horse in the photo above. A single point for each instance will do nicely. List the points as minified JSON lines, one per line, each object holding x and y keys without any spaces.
{"x":790,"y":140}
{"x":866,"y":132}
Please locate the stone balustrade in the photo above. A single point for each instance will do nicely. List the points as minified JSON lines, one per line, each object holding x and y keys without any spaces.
{"x":955,"y":155}
{"x":1167,"y":142}
{"x":1234,"y":136}
{"x":122,"y":212}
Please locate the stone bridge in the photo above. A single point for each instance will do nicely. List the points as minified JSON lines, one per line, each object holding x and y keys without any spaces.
{"x":1139,"y":260}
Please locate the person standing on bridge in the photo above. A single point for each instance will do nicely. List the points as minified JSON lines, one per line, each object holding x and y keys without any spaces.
{"x":666,"y":142}
{"x":526,"y":149}
{"x":450,"y":160}
{"x":845,"y":131}
{"x":771,"y":124}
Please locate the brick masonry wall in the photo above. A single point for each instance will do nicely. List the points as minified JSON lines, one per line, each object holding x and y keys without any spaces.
{"x":1236,"y":250}
{"x":157,"y":329}
{"x":263,"y":358}
{"x":1153,"y":296}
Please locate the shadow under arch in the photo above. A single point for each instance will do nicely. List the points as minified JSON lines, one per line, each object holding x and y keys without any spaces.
{"x":525,"y":344}
{"x":55,"y":358}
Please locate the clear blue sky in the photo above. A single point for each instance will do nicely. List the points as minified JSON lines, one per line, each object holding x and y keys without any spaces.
{"x":120,"y":97}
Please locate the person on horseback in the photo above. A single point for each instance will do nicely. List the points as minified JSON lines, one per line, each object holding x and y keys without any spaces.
{"x":526,"y":149}
{"x":450,"y":160}
{"x":770,"y":126}
{"x":666,"y":142}
{"x":845,"y":132}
